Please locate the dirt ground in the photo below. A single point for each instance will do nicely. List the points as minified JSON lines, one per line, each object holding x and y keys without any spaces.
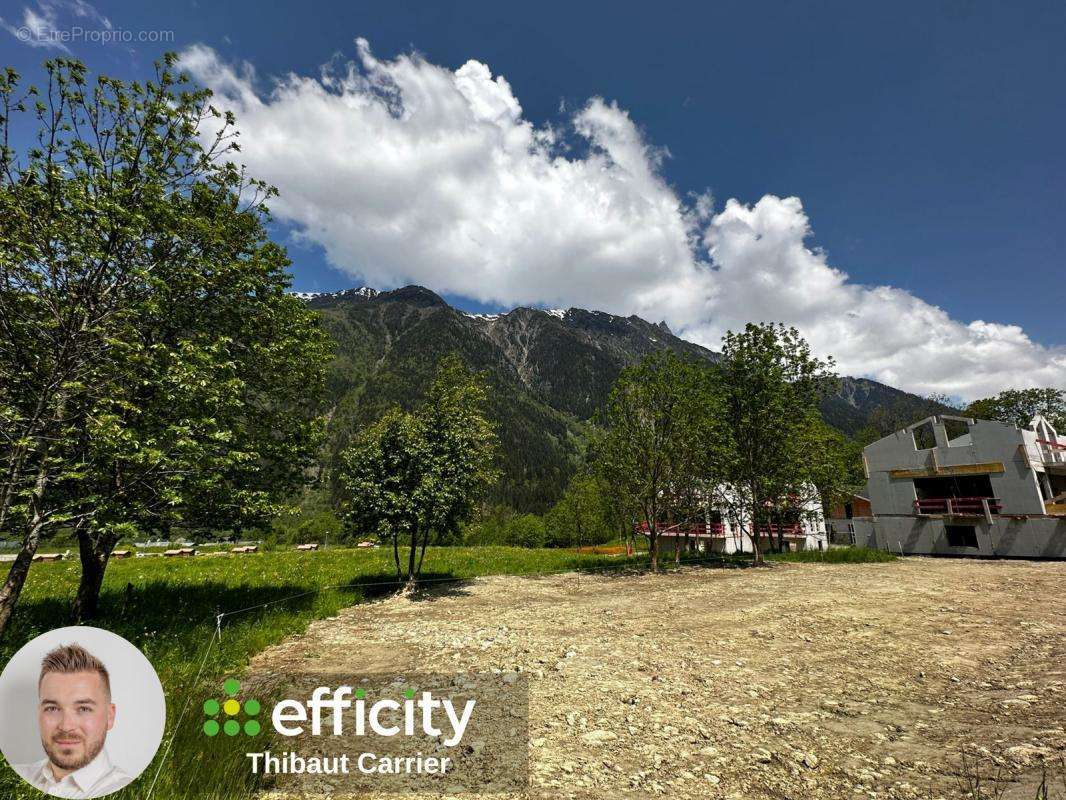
{"x":793,"y":681}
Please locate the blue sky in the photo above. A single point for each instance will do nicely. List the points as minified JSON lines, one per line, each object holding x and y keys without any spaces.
{"x":924,"y":140}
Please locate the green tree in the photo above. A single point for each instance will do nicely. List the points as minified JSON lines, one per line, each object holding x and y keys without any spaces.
{"x":415,"y":476}
{"x":153,"y":371}
{"x":835,"y":465}
{"x":214,"y":434}
{"x":771,"y":442}
{"x":582,"y":516}
{"x":825,"y":467}
{"x":1018,"y":407}
{"x":660,"y":415}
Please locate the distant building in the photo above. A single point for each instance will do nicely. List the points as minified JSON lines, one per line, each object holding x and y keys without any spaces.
{"x":719,"y":533}
{"x":956,"y":486}
{"x":856,"y":505}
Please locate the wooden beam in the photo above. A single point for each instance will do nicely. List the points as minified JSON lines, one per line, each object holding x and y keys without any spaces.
{"x":942,"y":471}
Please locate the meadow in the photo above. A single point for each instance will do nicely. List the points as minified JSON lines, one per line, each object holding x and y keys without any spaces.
{"x":168,"y":608}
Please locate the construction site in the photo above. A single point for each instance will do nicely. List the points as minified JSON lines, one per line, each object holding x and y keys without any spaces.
{"x":890,"y":681}
{"x":956,"y":486}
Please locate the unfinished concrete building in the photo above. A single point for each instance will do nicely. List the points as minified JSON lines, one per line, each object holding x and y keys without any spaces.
{"x":956,"y":486}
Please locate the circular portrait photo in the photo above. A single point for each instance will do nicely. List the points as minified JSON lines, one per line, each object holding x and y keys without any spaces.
{"x":83,"y":712}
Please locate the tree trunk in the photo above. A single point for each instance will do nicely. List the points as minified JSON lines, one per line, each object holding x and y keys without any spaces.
{"x":16,"y":576}
{"x":422,"y":554}
{"x":653,"y":549}
{"x":411,"y":556}
{"x":95,"y":551}
{"x":396,"y":553}
{"x":756,"y":552}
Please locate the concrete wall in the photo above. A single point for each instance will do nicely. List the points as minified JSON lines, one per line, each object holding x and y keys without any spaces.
{"x":1033,"y":537}
{"x":988,"y":442}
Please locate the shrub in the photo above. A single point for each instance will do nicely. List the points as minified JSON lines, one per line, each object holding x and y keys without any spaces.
{"x":526,"y":531}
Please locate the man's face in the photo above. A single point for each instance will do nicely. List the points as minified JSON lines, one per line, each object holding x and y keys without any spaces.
{"x":74,"y":716}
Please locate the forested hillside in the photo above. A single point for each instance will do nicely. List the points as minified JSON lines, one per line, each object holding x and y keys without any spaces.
{"x":550,"y":372}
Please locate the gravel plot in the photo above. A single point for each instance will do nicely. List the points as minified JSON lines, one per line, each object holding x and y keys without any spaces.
{"x":793,"y":681}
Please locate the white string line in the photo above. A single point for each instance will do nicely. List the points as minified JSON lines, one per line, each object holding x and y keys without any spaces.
{"x":188,"y":700}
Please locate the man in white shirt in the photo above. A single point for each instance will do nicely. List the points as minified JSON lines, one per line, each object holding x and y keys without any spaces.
{"x":74,"y":714}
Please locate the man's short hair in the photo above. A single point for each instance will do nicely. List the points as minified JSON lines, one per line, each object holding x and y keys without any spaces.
{"x":72,"y":658}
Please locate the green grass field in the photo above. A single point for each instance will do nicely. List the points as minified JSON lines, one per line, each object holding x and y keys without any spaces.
{"x":168,"y":608}
{"x":169,"y":613}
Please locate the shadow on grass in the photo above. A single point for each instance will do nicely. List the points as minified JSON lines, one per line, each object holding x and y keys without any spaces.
{"x":148,"y":614}
{"x":434,"y":586}
{"x":639,"y":564}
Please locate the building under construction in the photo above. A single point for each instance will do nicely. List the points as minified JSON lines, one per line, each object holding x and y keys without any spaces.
{"x":967,"y":487}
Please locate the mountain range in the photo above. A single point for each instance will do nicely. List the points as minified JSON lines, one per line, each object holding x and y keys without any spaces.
{"x":551,"y":372}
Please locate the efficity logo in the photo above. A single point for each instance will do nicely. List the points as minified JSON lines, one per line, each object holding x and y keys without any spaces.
{"x":228,"y":710}
{"x":346,"y":711}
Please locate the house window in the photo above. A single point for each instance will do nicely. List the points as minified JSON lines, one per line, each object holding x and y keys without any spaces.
{"x":961,"y":535}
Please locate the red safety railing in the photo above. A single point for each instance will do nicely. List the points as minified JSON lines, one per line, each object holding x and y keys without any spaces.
{"x":717,"y":529}
{"x":961,"y":506}
{"x":684,"y":528}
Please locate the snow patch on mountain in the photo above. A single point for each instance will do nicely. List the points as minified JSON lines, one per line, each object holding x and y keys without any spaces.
{"x":362,"y":291}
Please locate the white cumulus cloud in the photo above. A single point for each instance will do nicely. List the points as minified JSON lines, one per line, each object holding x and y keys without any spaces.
{"x":409,"y":172}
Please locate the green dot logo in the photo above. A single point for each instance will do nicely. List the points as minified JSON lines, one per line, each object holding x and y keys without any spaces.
{"x":223,"y":715}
